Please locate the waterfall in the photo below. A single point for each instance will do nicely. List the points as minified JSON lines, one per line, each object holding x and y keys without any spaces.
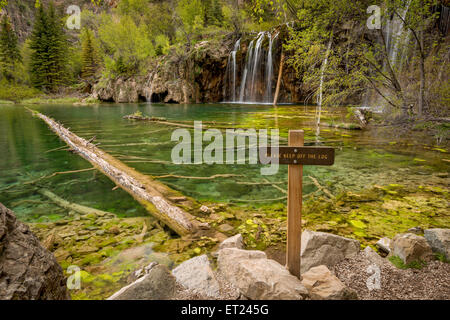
{"x":394,"y":39}
{"x":237,"y":46}
{"x":397,"y":38}
{"x":256,"y":59}
{"x":320,"y":95}
{"x":253,"y":81}
{"x":149,"y":92}
{"x":269,"y":71}
{"x":247,"y":67}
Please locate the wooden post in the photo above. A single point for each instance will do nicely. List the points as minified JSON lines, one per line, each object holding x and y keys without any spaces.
{"x":295,"y":174}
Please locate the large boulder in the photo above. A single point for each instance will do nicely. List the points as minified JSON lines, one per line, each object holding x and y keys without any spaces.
{"x":157,"y":284}
{"x":320,"y":248}
{"x":28,"y":271}
{"x":323,"y":285}
{"x":410,"y":247}
{"x":439,"y":240}
{"x":257,"y":277}
{"x":197,"y":276}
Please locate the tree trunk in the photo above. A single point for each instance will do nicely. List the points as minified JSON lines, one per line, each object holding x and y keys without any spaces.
{"x":150,"y":193}
{"x":422,"y":77}
{"x":280,"y":73}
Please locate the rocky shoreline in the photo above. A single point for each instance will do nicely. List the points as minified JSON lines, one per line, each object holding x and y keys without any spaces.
{"x":333,"y":268}
{"x":113,"y":252}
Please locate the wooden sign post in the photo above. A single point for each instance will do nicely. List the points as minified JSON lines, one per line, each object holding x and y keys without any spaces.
{"x":294,"y":203}
{"x":296,"y":155}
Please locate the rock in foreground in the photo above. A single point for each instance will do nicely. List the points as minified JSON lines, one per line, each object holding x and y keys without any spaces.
{"x":410,"y":247}
{"x":323,"y":285}
{"x":157,"y":284}
{"x":439,"y":240}
{"x":320,"y":248}
{"x":196,"y":275}
{"x":28,"y":271}
{"x":257,"y":277}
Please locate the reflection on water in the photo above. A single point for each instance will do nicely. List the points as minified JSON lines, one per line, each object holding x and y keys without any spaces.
{"x":29,"y":151}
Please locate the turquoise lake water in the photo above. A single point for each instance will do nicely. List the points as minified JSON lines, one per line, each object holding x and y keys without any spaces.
{"x":27,"y":145}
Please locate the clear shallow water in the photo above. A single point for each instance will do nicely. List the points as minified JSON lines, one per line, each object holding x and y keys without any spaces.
{"x":27,"y":153}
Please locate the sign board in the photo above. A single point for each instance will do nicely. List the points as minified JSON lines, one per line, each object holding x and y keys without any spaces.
{"x":323,"y":156}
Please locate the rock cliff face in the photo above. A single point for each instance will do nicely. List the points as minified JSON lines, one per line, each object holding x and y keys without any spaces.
{"x":27,"y":270}
{"x":193,"y":78}
{"x":202,"y":75}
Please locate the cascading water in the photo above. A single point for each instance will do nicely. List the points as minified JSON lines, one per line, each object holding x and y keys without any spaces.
{"x":255,"y":69}
{"x":256,"y":77}
{"x":149,"y":91}
{"x":396,"y":38}
{"x":269,"y":71}
{"x":247,"y":67}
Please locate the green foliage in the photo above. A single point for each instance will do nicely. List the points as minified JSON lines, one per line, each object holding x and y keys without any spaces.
{"x":191,"y":13}
{"x":48,"y":60}
{"x":16,"y":92}
{"x":233,"y":18}
{"x":398,"y":262}
{"x":212,"y":11}
{"x":441,"y":257}
{"x":162,"y":44}
{"x":3,"y":4}
{"x":9,"y":49}
{"x":126,"y":46}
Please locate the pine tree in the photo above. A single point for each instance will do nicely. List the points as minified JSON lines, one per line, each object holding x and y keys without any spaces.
{"x":89,"y":56}
{"x":49,"y":50}
{"x":212,"y":12}
{"x":9,"y":50}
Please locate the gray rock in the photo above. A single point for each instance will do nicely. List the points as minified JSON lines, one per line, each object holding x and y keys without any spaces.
{"x":439,"y":240}
{"x":323,"y":285}
{"x":384,"y":244}
{"x":158,"y":284}
{"x":235,"y":241}
{"x":374,"y":257}
{"x":320,"y":248}
{"x":410,"y":247}
{"x":205,"y":209}
{"x":416,"y":230}
{"x":28,"y":271}
{"x":196,"y":275}
{"x":142,"y":271}
{"x":258,"y":278}
{"x":225,"y":227}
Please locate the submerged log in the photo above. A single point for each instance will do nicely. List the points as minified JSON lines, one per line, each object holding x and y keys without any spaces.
{"x":150,"y":193}
{"x":73,"y":206}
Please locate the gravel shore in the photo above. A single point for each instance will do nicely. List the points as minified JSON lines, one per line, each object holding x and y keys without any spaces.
{"x":432,"y":282}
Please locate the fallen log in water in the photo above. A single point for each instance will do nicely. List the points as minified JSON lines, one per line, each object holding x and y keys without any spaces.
{"x":73,"y":206}
{"x":150,"y":193}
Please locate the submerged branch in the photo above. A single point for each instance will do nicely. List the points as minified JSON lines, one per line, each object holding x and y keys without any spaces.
{"x":321,"y":188}
{"x":73,"y":206}
{"x":198,"y":178}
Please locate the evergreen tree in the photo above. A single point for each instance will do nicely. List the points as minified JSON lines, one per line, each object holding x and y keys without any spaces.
{"x":9,"y":50}
{"x":49,"y":50}
{"x":89,"y":55}
{"x":212,"y":10}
